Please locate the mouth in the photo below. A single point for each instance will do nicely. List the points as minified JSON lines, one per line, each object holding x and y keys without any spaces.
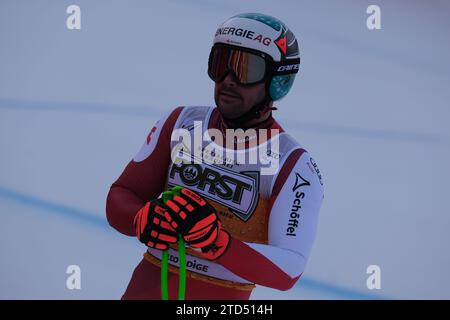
{"x":229,"y":94}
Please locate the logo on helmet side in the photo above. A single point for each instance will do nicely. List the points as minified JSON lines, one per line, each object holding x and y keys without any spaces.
{"x":244,"y":33}
{"x":281,"y":44}
{"x":288,"y":67}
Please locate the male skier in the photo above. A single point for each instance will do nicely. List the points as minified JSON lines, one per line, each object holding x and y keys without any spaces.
{"x":242,"y":226}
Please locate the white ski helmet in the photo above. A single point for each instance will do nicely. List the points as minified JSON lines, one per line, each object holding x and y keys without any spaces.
{"x":268,"y":35}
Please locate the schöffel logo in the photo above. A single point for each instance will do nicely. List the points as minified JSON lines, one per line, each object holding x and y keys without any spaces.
{"x":299,"y":182}
{"x":238,"y":32}
{"x":237,"y":191}
{"x":296,"y":204}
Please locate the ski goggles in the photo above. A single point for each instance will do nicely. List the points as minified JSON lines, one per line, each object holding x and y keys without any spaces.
{"x":249,"y":67}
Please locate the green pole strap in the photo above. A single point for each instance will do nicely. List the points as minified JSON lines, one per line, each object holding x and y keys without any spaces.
{"x":181,"y":254}
{"x":164,"y":275}
{"x":182,"y":269}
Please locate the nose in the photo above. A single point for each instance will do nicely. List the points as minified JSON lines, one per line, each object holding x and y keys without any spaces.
{"x":229,"y":80}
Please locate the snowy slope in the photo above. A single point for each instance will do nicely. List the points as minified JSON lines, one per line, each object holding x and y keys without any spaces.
{"x":371,"y":107}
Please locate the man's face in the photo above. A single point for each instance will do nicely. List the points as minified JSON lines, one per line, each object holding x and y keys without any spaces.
{"x":234,"y":100}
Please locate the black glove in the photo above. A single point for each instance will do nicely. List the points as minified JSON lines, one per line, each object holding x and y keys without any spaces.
{"x":152,"y":228}
{"x":193,"y":217}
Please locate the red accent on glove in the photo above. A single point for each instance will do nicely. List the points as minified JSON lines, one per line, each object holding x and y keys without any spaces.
{"x":151,"y":226}
{"x":193,"y":217}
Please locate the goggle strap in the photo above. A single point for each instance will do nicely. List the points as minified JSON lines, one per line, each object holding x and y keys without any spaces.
{"x":288,"y":66}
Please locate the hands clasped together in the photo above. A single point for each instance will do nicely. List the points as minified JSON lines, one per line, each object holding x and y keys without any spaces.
{"x":184,"y":213}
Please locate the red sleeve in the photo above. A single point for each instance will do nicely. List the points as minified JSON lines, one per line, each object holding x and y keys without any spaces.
{"x":143,"y":178}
